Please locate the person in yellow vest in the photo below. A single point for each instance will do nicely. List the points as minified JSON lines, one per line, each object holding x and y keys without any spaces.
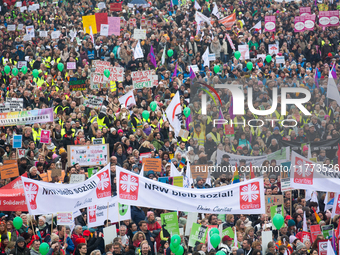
{"x":215,"y":135}
{"x":136,"y":121}
{"x":199,"y":135}
{"x":103,"y":120}
{"x":99,"y":135}
{"x":36,"y":132}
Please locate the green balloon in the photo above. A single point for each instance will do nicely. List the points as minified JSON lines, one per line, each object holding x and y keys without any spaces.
{"x":268,"y":58}
{"x":220,"y":253}
{"x":216,"y":68}
{"x":145,"y":114}
{"x":44,"y":248}
{"x":24,"y":69}
{"x":250,"y":65}
{"x":7,"y":69}
{"x":107,"y":73}
{"x":186,"y":112}
{"x":237,"y":54}
{"x":60,"y":67}
{"x":215,"y":240}
{"x":173,"y":248}
{"x":170,"y":53}
{"x":15,"y":71}
{"x":214,"y":231}
{"x":35,"y":73}
{"x":180,"y":250}
{"x":17,"y":222}
{"x":153,"y":106}
{"x":176,"y":240}
{"x":278,"y":221}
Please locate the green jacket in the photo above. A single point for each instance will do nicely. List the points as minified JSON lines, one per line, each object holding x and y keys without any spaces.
{"x":158,"y":144}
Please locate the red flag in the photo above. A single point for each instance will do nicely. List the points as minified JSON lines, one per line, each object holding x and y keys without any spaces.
{"x":252,"y":175}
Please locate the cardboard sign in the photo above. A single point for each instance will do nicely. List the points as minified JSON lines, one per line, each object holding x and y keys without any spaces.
{"x":139,"y":34}
{"x":199,"y":170}
{"x":56,"y":172}
{"x":141,"y":79}
{"x":10,"y":27}
{"x":88,"y":155}
{"x":64,"y":218}
{"x":76,"y":178}
{"x":152,"y":164}
{"x":9,"y":170}
{"x":21,"y":153}
{"x":315,"y":231}
{"x":71,"y":65}
{"x":110,"y":233}
{"x":116,"y":7}
{"x":45,"y":136}
{"x":17,"y":141}
{"x":21,"y":64}
{"x":77,"y":84}
{"x":272,"y":200}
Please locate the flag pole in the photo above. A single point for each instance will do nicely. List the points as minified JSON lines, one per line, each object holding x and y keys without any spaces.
{"x":107,"y":216}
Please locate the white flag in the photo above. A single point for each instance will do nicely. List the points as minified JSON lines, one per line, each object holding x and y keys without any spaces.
{"x":197,"y":6}
{"x":174,"y":113}
{"x":309,"y":152}
{"x":128,"y":99}
{"x":330,"y":250}
{"x":91,"y":34}
{"x":304,"y":227}
{"x":163,"y":56}
{"x":208,"y":180}
{"x":138,"y":53}
{"x":173,"y":171}
{"x":336,"y":205}
{"x":215,"y":11}
{"x":142,"y":170}
{"x":205,"y":57}
{"x":257,"y":27}
{"x":187,"y":180}
{"x":332,"y":89}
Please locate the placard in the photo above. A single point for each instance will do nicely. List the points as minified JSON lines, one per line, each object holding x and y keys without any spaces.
{"x":116,"y":74}
{"x":272,"y":200}
{"x":197,"y":235}
{"x":270,"y":23}
{"x":244,"y":50}
{"x":16,"y":104}
{"x":9,"y":170}
{"x":110,"y":233}
{"x":139,"y":34}
{"x":322,"y":247}
{"x":114,"y":25}
{"x":20,"y":26}
{"x":77,"y":84}
{"x":273,"y":49}
{"x":211,"y":57}
{"x":315,"y":231}
{"x":194,"y":68}
{"x":309,"y":22}
{"x":64,"y":218}
{"x":21,"y":64}
{"x":116,"y":7}
{"x":90,"y":155}
{"x":280,"y":59}
{"x":305,"y":10}
{"x":299,"y":24}
{"x":71,"y":65}
{"x":55,"y":35}
{"x":18,"y":4}
{"x":21,"y":153}
{"x":45,"y":136}
{"x":30,"y":31}
{"x":169,"y":224}
{"x":101,"y":5}
{"x":104,"y":30}
{"x":10,"y":27}
{"x":327,"y":231}
{"x":17,"y":141}
{"x":23,"y":8}
{"x":93,"y":102}
{"x":152,"y":164}
{"x":199,"y":170}
{"x":76,"y":178}
{"x":26,"y":38}
{"x":43,"y":33}
{"x":141,"y":79}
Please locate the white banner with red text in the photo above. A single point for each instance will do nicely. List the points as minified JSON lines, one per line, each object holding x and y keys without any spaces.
{"x":246,"y":197}
{"x":45,"y":198}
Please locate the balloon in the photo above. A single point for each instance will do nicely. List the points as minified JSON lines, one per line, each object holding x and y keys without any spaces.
{"x":60,"y":67}
{"x":268,"y":58}
{"x":146,"y":115}
{"x":186,"y":112}
{"x":24,"y":69}
{"x":250,"y":65}
{"x":15,"y":71}
{"x":220,"y":253}
{"x":176,"y":240}
{"x":35,"y":73}
{"x":44,"y":248}
{"x":215,"y":240}
{"x":180,"y":250}
{"x":173,"y":248}
{"x":237,"y":54}
{"x":278,"y":221}
{"x":153,"y":106}
{"x":214,"y":231}
{"x":7,"y":69}
{"x":17,"y":222}
{"x":170,"y":53}
{"x":107,"y":73}
{"x":216,"y":68}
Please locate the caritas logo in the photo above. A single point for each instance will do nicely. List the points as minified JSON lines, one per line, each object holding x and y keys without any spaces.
{"x":303,"y":172}
{"x":250,"y":197}
{"x":92,"y":213}
{"x":104,"y":185}
{"x":337,"y":208}
{"x":128,"y":186}
{"x":31,"y":190}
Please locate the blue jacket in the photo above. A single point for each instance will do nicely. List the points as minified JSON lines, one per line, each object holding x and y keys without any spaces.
{"x":70,"y":246}
{"x":137,"y":214}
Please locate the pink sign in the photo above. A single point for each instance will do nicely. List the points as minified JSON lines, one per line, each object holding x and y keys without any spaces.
{"x":309,"y":22}
{"x":269,"y":23}
{"x":71,"y":65}
{"x":45,"y":136}
{"x":334,"y":18}
{"x":299,"y":24}
{"x":324,"y":18}
{"x":304,"y":11}
{"x":114,"y":25}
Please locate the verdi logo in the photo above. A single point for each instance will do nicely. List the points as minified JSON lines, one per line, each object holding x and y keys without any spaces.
{"x":123,"y":209}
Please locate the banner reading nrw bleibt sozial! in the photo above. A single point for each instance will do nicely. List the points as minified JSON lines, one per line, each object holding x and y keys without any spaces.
{"x":245,"y":197}
{"x":45,"y":198}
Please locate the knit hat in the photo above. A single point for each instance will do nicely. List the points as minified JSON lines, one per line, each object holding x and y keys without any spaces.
{"x":148,"y":214}
{"x":291,"y":223}
{"x":300,"y":246}
{"x":199,"y":178}
{"x":305,"y":148}
{"x":20,"y":239}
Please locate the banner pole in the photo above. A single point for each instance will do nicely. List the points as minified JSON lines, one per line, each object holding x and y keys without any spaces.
{"x":291,"y":202}
{"x":52,"y":224}
{"x":107,"y":218}
{"x":118,"y":217}
{"x":32,"y":225}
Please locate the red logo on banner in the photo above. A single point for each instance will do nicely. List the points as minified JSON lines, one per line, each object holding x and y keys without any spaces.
{"x":337,"y":208}
{"x":303,"y":172}
{"x":250,"y":197}
{"x":92,"y":213}
{"x":31,"y":194}
{"x":128,"y":186}
{"x":104,"y":186}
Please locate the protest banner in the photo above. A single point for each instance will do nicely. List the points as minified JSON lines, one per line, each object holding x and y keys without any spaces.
{"x":299,"y":24}
{"x":26,"y":117}
{"x":21,"y":64}
{"x":10,"y":27}
{"x":315,"y":231}
{"x":71,"y":65}
{"x":12,"y":199}
{"x":104,"y":30}
{"x":198,"y":234}
{"x":244,"y":50}
{"x":116,"y":74}
{"x":17,"y":141}
{"x":228,"y":21}
{"x":89,"y":21}
{"x":64,"y":218}
{"x":93,"y":102}
{"x":334,"y":18}
{"x":169,"y":224}
{"x":9,"y":170}
{"x":45,"y":136}
{"x":76,"y":84}
{"x":230,"y":42}
{"x":322,"y":247}
{"x":116,"y":212}
{"x":309,"y":22}
{"x":242,"y":197}
{"x":324,"y":18}
{"x":273,"y":49}
{"x":141,"y":79}
{"x":88,"y":155}
{"x":16,"y":104}
{"x":67,"y":198}
{"x":114,"y":25}
{"x":305,"y":10}
{"x":110,"y":233}
{"x":152,"y":164}
{"x":272,"y":200}
{"x":139,"y":34}
{"x":269,"y":23}
{"x":116,"y":7}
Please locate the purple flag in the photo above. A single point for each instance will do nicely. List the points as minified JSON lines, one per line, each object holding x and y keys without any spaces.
{"x":333,"y":242}
{"x":152,"y":57}
{"x":232,"y":116}
{"x":192,"y":74}
{"x":316,"y":77}
{"x":175,"y":72}
{"x":334,"y":72}
{"x":171,"y":3}
{"x":220,"y":117}
{"x":187,"y":122}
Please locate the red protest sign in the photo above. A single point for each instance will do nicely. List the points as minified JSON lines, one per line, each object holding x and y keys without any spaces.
{"x":45,"y":136}
{"x":116,"y":7}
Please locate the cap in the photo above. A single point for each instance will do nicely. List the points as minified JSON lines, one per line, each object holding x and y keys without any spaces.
{"x":86,"y":233}
{"x":226,"y":238}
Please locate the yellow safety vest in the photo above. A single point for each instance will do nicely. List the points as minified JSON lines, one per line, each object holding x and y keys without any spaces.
{"x":139,"y":125}
{"x":63,"y":132}
{"x":200,"y":137}
{"x":101,"y":123}
{"x":217,"y":139}
{"x":113,"y":86}
{"x":57,"y":108}
{"x":36,"y":134}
